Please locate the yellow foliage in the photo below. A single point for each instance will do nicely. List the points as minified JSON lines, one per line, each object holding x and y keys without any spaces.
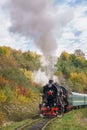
{"x":73,"y":75}
{"x":32,"y":95}
{"x":84,"y":77}
{"x":82,"y":59}
{"x":65,"y":55}
{"x":3,"y":97}
{"x":21,"y":100}
{"x":79,"y":77}
{"x":27,"y":73}
{"x":24,"y":97}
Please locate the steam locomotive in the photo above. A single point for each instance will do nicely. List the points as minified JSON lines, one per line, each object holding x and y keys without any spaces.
{"x":65,"y":100}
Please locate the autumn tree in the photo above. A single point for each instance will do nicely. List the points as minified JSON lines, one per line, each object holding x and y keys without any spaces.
{"x":73,"y":67}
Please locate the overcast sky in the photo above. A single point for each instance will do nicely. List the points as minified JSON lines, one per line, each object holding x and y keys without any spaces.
{"x":71,"y":35}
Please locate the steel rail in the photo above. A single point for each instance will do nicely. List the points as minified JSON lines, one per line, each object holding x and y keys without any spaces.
{"x":27,"y":124}
{"x":44,"y":127}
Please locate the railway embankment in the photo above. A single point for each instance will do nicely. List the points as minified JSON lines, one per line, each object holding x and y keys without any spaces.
{"x":74,"y":120}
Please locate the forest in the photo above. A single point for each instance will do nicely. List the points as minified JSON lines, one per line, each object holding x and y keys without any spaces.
{"x":71,"y":70}
{"x":19,"y":94}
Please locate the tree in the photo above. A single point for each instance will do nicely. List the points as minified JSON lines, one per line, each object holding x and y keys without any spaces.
{"x":79,"y":53}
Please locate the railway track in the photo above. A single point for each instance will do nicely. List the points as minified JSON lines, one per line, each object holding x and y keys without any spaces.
{"x":39,"y":124}
{"x":43,"y":128}
{"x":28,"y":124}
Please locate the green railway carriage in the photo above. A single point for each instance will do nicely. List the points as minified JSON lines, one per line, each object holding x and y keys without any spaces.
{"x":79,"y":99}
{"x":85,"y":99}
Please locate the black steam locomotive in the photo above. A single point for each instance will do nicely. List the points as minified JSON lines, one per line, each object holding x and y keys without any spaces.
{"x":57,"y":99}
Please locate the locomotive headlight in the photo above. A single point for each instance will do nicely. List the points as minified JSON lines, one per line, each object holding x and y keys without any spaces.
{"x":43,"y":104}
{"x":48,"y":107}
{"x":54,"y":104}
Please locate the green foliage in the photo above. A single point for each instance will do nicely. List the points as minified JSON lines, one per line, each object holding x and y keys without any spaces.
{"x":27,"y":60}
{"x":5,"y":51}
{"x":73,"y":67}
{"x":9,"y":93}
{"x":33,"y":62}
{"x":15,"y":75}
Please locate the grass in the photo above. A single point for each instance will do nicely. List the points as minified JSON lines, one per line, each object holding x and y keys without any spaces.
{"x":30,"y":122}
{"x":16,"y":125}
{"x":17,"y":116}
{"x":13,"y":125}
{"x":74,"y":120}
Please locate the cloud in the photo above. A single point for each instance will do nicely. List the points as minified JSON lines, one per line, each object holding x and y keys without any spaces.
{"x":75,"y":35}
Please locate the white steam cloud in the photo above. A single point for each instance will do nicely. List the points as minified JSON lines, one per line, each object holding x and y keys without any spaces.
{"x":39,"y":20}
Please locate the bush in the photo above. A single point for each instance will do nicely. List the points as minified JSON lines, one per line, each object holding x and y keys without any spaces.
{"x":3,"y":96}
{"x":2,"y":117}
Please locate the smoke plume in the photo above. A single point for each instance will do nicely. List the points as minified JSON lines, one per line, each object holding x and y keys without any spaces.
{"x":40,"y":20}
